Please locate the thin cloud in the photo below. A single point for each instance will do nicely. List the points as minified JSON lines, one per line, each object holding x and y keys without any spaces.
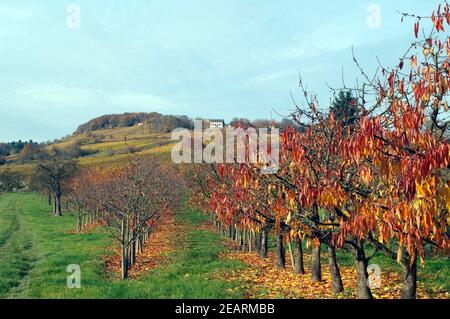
{"x":48,"y":97}
{"x":138,"y":101}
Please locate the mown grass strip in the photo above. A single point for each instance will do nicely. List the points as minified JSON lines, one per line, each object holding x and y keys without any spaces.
{"x":42,"y":246}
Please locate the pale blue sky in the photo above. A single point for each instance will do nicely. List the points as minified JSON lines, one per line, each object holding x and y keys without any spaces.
{"x":216,"y":59}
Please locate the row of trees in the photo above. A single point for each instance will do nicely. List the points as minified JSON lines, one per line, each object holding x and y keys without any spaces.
{"x":372,"y":170}
{"x":130,"y":200}
{"x":263,"y":123}
{"x":7,"y":149}
{"x":25,"y":151}
{"x":11,"y":181}
{"x":40,"y":152}
{"x":51,"y":177}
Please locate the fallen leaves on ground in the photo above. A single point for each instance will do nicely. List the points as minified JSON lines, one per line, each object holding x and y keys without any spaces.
{"x":157,"y":249}
{"x":263,"y":279}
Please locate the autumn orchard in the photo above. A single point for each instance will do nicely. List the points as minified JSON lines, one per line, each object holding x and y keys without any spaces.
{"x":329,"y":192}
{"x":130,"y":200}
{"x":371,"y":171}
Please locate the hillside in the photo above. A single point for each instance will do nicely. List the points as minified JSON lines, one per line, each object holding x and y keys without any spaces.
{"x":150,"y":122}
{"x":104,"y":147}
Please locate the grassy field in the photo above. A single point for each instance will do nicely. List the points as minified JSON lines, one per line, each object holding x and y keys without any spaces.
{"x":36,"y":248}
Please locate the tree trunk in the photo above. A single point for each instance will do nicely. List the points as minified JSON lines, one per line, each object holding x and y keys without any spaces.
{"x":363,"y":291}
{"x":141,"y":243}
{"x":58,"y":211}
{"x":133,"y":251}
{"x":281,"y":252}
{"x":124,"y":249}
{"x":316,"y":271}
{"x":138,"y":244}
{"x":410,"y":278}
{"x":258,"y":237}
{"x":124,"y":261}
{"x":291,"y":253}
{"x":79,"y":223}
{"x":49,"y":198}
{"x":362,"y":277}
{"x":299,"y":266}
{"x":336,"y":280}
{"x":264,"y":249}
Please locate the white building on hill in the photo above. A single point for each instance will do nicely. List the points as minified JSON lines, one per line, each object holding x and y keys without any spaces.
{"x":220,"y":124}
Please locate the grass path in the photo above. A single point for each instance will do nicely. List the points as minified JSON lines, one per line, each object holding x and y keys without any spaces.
{"x":16,"y":255}
{"x":36,"y":248}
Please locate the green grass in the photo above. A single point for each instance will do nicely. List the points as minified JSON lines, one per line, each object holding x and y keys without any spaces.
{"x":36,"y":248}
{"x":434,"y":275}
{"x":15,"y":257}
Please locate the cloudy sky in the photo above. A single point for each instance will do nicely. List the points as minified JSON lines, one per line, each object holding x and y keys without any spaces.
{"x":214,"y":59}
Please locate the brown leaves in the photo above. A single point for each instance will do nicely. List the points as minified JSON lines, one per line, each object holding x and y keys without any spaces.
{"x":438,"y":20}
{"x":416,"y":29}
{"x":366,"y":175}
{"x":391,"y":79}
{"x":413,"y":61}
{"x":156,"y":250}
{"x":262,"y":279}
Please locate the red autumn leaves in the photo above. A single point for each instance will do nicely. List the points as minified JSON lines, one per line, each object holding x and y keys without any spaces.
{"x":381,"y":180}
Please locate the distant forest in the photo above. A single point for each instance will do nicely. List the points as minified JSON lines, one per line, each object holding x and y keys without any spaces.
{"x":7,"y":149}
{"x":159,"y":123}
{"x":155,"y":122}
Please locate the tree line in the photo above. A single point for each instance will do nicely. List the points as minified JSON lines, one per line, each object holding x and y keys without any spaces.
{"x":154,"y":122}
{"x":130,"y":200}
